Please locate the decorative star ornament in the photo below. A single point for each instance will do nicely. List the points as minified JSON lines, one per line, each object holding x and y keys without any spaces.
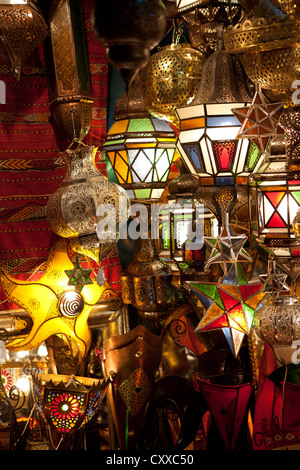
{"x":79,"y":277}
{"x":226,"y":249}
{"x":230,"y":304}
{"x":260,"y":121}
{"x":273,"y":281}
{"x":55,"y":306}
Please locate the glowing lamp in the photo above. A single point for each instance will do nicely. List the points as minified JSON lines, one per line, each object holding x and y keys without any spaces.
{"x":140,"y":148}
{"x":274,"y":202}
{"x":67,"y":403}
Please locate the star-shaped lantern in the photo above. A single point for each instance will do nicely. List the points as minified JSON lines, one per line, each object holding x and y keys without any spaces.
{"x":230,"y":304}
{"x":260,"y":120}
{"x":54,"y":302}
{"x":226,"y":249}
{"x":274,"y":281}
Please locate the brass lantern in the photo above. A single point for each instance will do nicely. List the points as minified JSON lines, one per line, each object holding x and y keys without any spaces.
{"x":170,"y":80}
{"x":67,"y":70}
{"x":22,"y":29}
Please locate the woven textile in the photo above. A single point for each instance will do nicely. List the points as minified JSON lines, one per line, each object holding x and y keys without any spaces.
{"x":31,"y":165}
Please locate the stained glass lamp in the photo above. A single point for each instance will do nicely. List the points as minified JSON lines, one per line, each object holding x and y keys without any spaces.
{"x":207,"y":138}
{"x":275,"y":200}
{"x":67,"y":403}
{"x":140,"y":148}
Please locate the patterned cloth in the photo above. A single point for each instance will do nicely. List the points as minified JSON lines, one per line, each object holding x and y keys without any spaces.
{"x":31,"y":166}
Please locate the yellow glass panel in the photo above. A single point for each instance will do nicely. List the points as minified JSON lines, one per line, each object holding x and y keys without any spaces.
{"x":212,"y":314}
{"x":233,"y":290}
{"x":254,"y":301}
{"x":118,"y":127}
{"x":141,"y":145}
{"x":121,"y":166}
{"x":195,"y":123}
{"x":238,"y":323}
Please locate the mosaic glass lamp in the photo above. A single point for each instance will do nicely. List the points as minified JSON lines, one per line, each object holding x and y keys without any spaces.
{"x":67,"y":403}
{"x":274,"y":202}
{"x":140,"y":148}
{"x":207,"y":138}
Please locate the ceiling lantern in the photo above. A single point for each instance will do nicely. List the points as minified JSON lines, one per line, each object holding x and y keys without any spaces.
{"x":171,"y":79}
{"x":207,"y":138}
{"x":22,"y":29}
{"x":140,"y":147}
{"x":129,"y":29}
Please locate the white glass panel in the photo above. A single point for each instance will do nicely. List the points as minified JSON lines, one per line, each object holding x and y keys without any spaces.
{"x":219,"y":109}
{"x":268,"y":210}
{"x":222,"y":133}
{"x":189,"y":112}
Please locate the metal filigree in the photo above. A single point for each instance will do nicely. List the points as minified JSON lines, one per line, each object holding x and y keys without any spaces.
{"x":22,"y":29}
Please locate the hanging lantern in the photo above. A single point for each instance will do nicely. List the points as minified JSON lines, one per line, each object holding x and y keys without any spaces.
{"x":147,"y":283}
{"x":67,"y":403}
{"x":130,"y":30}
{"x":278,"y":322}
{"x":22,"y":29}
{"x":67,"y":71}
{"x":203,"y":18}
{"x":140,"y":147}
{"x":170,"y":80}
{"x":274,"y":201}
{"x":72,"y":210}
{"x":267,"y":44}
{"x":207,"y":138}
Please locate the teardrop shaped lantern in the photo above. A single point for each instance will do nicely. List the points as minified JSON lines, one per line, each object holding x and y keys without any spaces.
{"x":22,"y":29}
{"x":129,"y":29}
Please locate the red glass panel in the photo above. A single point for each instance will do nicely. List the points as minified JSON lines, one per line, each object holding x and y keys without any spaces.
{"x":228,"y":301}
{"x":276,"y":221}
{"x":221,"y":322}
{"x":248,"y":290}
{"x":275,"y":197}
{"x":224,"y":154}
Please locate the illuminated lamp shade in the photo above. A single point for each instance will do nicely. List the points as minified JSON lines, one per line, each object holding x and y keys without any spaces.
{"x":67,"y":403}
{"x":72,"y":210}
{"x":129,"y":30}
{"x":208,"y":131}
{"x":140,"y":148}
{"x":171,"y":79}
{"x":274,"y":202}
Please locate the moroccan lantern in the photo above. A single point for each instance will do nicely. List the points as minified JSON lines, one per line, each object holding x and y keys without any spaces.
{"x":69,"y":88}
{"x":73,"y":210}
{"x":22,"y":29}
{"x":207,"y":138}
{"x":67,"y":403}
{"x":129,"y":30}
{"x":170,"y":80}
{"x":278,"y":322}
{"x":139,"y":147}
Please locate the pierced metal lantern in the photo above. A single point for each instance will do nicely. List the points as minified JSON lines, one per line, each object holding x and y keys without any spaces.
{"x":70,"y":95}
{"x":129,"y":29}
{"x":22,"y":29}
{"x":73,"y":209}
{"x":268,"y":48}
{"x":147,"y":283}
{"x":278,"y":323}
{"x":67,"y":403}
{"x":171,"y":79}
{"x":140,"y":148}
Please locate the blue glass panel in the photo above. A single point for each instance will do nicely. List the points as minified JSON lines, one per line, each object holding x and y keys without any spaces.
{"x":224,"y":180}
{"x":193,"y":153}
{"x":221,"y":121}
